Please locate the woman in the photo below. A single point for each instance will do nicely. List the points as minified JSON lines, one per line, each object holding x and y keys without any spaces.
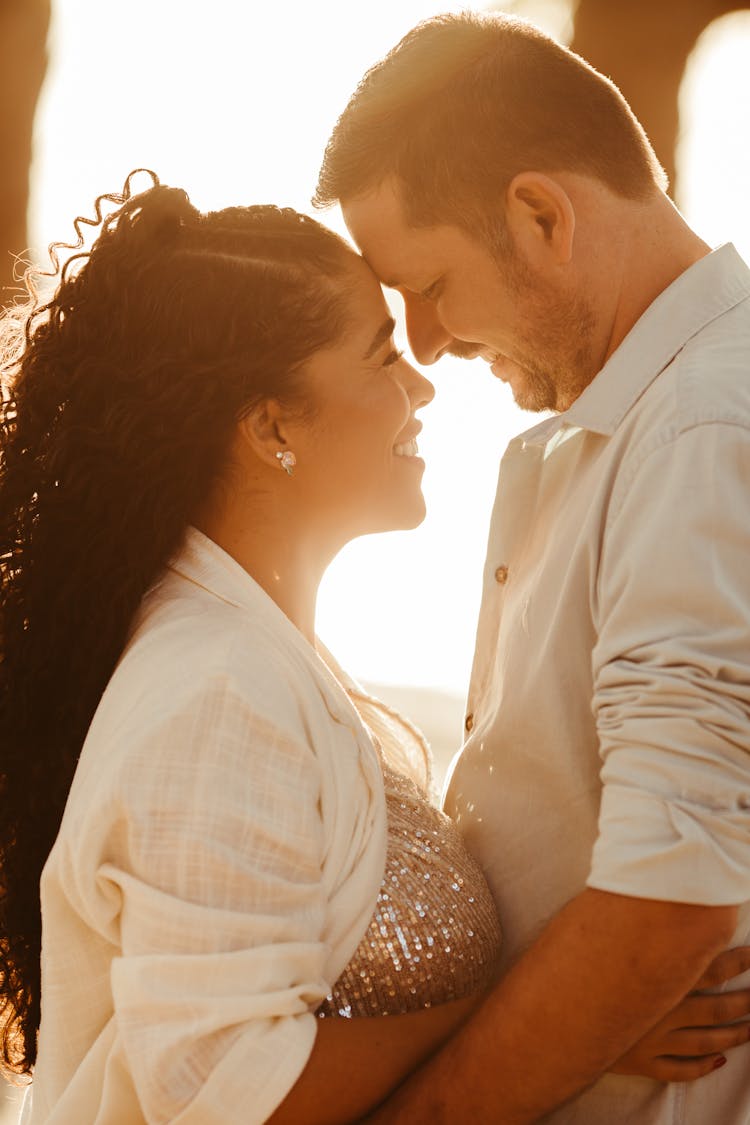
{"x":208,"y":408}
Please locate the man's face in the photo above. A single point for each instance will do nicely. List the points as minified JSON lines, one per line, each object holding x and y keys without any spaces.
{"x":462,"y":299}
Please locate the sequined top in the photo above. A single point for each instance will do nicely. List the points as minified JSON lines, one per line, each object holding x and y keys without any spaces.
{"x":434,"y":935}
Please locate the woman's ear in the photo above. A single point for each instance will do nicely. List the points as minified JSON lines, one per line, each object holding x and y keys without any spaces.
{"x":541,"y":218}
{"x":263,"y":431}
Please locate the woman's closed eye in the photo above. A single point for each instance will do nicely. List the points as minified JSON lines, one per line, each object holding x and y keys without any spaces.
{"x":392,"y":357}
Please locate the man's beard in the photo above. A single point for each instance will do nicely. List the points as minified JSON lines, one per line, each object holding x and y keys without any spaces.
{"x":566,"y":366}
{"x":558,"y":361}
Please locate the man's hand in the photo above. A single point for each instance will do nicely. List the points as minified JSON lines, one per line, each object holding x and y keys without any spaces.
{"x":602,"y":973}
{"x":689,"y":1041}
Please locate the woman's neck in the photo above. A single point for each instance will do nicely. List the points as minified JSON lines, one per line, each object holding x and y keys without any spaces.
{"x":286,"y":564}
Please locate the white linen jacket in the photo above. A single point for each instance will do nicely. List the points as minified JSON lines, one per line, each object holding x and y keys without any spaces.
{"x":218,"y":861}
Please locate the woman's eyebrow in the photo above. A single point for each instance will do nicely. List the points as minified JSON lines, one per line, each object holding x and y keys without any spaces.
{"x":383,"y":333}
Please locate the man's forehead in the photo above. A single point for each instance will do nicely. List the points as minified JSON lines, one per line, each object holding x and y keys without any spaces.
{"x":392,"y":250}
{"x":386,"y":277}
{"x":377,"y":217}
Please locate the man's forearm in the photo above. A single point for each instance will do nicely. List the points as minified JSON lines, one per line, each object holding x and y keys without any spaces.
{"x":600,"y":975}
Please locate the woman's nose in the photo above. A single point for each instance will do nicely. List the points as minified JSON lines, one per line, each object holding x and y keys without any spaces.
{"x":419,"y":389}
{"x":427,"y":337}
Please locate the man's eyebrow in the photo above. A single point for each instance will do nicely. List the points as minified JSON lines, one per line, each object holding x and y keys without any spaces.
{"x":383,"y":333}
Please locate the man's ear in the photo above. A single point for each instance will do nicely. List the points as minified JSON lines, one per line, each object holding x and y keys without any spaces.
{"x":541,"y":218}
{"x":263,"y":431}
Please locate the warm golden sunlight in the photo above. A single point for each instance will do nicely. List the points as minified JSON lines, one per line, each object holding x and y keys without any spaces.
{"x":235,"y":102}
{"x":237,"y":106}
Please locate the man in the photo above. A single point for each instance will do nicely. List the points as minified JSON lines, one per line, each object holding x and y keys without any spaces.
{"x":505,"y":189}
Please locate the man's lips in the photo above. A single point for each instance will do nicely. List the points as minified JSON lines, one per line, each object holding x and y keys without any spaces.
{"x":507,"y":369}
{"x":498,"y":363}
{"x":497,"y":370}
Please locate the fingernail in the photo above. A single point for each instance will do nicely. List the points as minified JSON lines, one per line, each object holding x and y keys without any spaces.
{"x":719,"y":1062}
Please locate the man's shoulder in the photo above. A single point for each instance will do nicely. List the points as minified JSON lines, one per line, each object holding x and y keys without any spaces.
{"x":707,"y":381}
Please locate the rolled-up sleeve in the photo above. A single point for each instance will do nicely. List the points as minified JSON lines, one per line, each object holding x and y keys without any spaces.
{"x":671,"y":671}
{"x":216,"y":864}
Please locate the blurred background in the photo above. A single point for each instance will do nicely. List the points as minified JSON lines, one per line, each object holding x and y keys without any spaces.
{"x":234,"y":101}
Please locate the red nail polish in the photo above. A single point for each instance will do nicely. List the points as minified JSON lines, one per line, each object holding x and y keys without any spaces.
{"x":719,"y":1062}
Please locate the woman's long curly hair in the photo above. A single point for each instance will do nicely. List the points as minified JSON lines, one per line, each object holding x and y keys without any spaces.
{"x":119,"y":400}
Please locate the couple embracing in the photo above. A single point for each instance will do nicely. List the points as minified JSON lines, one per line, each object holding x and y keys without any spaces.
{"x":251,"y":909}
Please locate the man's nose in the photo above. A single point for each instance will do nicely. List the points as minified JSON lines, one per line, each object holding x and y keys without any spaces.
{"x":427,"y":337}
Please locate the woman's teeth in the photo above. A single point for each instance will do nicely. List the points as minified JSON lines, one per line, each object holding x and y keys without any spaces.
{"x":408,"y":449}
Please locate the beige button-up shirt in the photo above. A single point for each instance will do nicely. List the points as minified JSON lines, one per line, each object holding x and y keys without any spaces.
{"x":219,"y":859}
{"x":608,"y":717}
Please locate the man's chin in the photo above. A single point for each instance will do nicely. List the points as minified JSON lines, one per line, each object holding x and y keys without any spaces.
{"x":531,"y":391}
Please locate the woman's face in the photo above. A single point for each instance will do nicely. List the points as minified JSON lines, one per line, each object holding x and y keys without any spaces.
{"x":357,"y":464}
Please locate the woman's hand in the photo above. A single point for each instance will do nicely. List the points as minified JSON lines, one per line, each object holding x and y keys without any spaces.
{"x":689,"y":1042}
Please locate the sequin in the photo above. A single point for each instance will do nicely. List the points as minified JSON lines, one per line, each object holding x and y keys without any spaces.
{"x":434,"y":935}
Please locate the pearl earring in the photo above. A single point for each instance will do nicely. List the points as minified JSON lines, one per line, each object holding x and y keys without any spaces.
{"x":287,"y":460}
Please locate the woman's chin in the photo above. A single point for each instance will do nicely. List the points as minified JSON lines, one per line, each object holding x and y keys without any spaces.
{"x":418,"y":516}
{"x":404,"y":516}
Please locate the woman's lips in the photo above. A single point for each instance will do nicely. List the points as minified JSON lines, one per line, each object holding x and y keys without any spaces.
{"x":407,"y":449}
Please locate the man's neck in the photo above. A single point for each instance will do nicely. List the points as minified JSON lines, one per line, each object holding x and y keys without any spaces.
{"x":660,"y":247}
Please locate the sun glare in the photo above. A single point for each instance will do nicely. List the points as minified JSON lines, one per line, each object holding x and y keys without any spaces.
{"x":235,"y":103}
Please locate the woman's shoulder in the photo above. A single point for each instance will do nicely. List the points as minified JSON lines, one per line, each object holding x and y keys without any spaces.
{"x":207,"y":701}
{"x":197,"y":669}
{"x":192,"y":633}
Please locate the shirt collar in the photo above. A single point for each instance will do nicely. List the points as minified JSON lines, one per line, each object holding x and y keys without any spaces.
{"x":711,"y":286}
{"x":207,"y":565}
{"x":204,"y":563}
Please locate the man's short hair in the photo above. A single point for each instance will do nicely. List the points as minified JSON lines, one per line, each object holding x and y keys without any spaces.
{"x":465,"y":102}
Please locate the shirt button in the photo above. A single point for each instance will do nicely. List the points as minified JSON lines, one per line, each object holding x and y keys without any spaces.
{"x":469,"y":723}
{"x":501,"y":575}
